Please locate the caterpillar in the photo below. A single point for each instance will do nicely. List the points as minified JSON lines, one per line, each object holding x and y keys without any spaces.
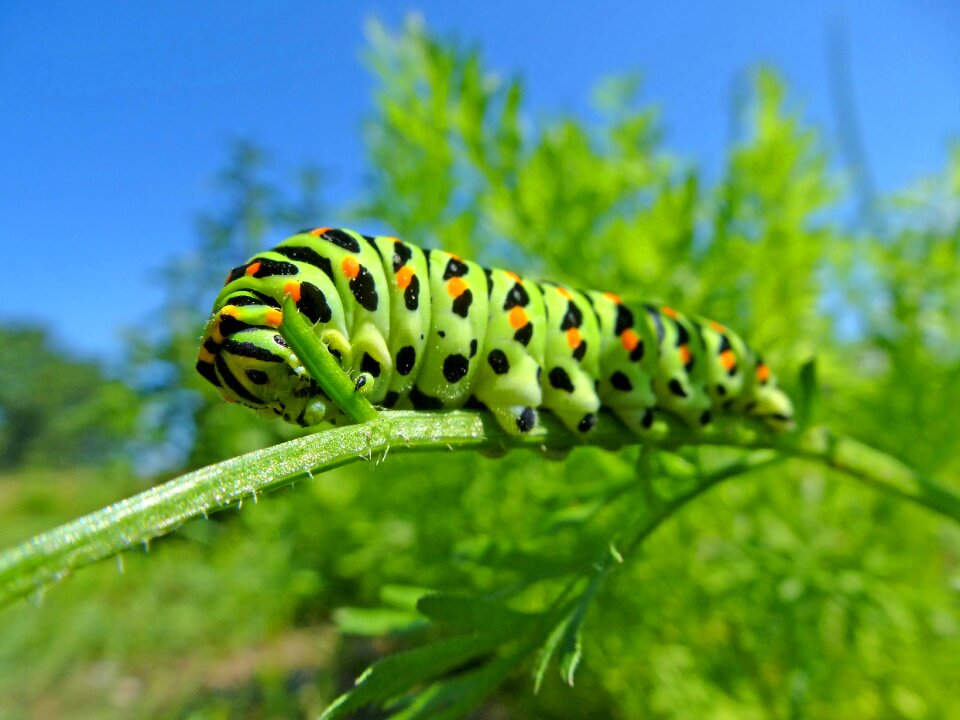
{"x":425,"y":329}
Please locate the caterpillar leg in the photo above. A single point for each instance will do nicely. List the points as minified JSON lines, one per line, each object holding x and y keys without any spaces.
{"x":570,"y":393}
{"x":519,"y":420}
{"x":577,"y":421}
{"x":508,"y":385}
{"x":766,"y":401}
{"x":338,"y":345}
{"x":515,"y":419}
{"x":371,"y":362}
{"x":638,"y":420}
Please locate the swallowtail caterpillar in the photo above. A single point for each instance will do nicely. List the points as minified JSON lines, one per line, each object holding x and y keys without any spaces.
{"x":427,"y":330}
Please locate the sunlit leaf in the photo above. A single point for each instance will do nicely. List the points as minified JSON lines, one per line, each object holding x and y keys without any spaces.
{"x":374,"y":622}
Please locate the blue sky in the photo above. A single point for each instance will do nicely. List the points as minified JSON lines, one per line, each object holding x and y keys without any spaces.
{"x":114,"y":116}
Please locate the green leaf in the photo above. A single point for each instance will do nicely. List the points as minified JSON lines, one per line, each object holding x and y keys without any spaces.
{"x":463,"y":612}
{"x":567,"y":634}
{"x":403,"y":596}
{"x":571,"y":645}
{"x":547,"y":652}
{"x":454,"y":698}
{"x":574,"y":515}
{"x":372,"y":622}
{"x":387,"y":679}
{"x":531,"y":564}
{"x":808,"y":395}
{"x":571,"y":652}
{"x":508,"y":135}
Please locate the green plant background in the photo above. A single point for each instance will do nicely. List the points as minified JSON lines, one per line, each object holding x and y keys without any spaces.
{"x":787,"y":593}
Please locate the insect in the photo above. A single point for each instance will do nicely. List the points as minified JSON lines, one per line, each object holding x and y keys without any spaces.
{"x":425,"y":329}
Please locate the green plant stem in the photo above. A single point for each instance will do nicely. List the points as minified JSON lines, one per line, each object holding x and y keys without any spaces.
{"x":133,"y":522}
{"x":322,"y":366}
{"x":660,"y":510}
{"x":875,"y":468}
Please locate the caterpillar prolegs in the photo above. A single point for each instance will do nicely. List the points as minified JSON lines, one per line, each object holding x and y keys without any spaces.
{"x":425,"y":329}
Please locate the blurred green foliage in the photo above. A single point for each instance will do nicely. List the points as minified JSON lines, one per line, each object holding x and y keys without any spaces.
{"x":787,"y":593}
{"x":58,"y":411}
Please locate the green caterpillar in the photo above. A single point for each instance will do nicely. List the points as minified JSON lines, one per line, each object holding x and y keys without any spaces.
{"x":428,"y":330}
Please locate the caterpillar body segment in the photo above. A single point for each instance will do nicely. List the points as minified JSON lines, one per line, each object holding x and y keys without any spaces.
{"x":431,"y":331}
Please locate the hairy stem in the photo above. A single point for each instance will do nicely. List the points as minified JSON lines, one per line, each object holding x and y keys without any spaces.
{"x":129,"y":523}
{"x":322,"y":366}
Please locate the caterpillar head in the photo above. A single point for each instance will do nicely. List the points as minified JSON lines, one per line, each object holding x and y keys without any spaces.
{"x":773,"y":406}
{"x":250,"y":364}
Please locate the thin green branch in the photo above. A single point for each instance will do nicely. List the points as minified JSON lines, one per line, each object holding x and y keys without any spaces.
{"x":659,"y":511}
{"x":875,"y":468}
{"x":322,"y":366}
{"x":132,"y":522}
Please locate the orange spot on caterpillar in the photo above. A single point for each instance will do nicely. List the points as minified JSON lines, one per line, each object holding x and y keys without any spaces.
{"x":293,"y":290}
{"x":518,"y":317}
{"x":613,"y":297}
{"x":274,"y":318}
{"x":404,"y":276}
{"x":717,"y":326}
{"x":728,"y":359}
{"x":513,"y":276}
{"x":630,"y":340}
{"x":563,"y":291}
{"x":669,"y":312}
{"x":205,"y":355}
{"x":253,"y":269}
{"x":456,"y":287}
{"x":573,"y":337}
{"x":229,"y":276}
{"x":317,"y":232}
{"x":351,"y":268}
{"x":763,"y":373}
{"x":684,"y":351}
{"x":230,"y":311}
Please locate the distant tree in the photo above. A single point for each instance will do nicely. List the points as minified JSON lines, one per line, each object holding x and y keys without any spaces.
{"x":56,"y":410}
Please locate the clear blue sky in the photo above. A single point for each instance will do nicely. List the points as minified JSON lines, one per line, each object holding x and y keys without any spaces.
{"x":115,"y":115}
